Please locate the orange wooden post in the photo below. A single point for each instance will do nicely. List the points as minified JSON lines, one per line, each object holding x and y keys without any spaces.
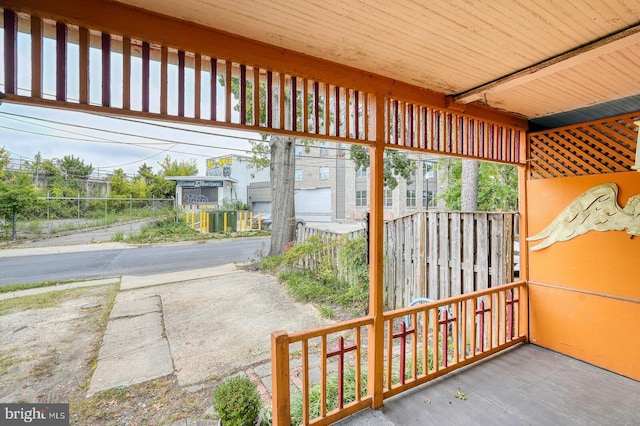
{"x":376,"y":265}
{"x":523,"y":206}
{"x":280,"y":379}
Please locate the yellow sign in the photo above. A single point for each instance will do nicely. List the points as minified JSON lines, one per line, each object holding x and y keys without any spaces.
{"x":219,"y":162}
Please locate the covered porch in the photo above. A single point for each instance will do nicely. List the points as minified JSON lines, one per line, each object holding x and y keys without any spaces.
{"x":550,"y":88}
{"x":525,"y":385}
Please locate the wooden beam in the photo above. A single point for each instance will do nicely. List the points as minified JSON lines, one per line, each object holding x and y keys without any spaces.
{"x":376,"y":261}
{"x":116,"y":18}
{"x":620,"y":40}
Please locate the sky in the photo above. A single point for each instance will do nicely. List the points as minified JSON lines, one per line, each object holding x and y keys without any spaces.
{"x":98,"y":139}
{"x":106,"y":143}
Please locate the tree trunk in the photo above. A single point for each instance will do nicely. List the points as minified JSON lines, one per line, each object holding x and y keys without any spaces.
{"x":469,"y":196}
{"x":282,"y":169}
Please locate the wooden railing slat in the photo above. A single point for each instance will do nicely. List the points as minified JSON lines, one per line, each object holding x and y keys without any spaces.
{"x":126,"y":73}
{"x":164,"y":79}
{"x":36,"y":57}
{"x":106,"y":69}
{"x":10,"y":51}
{"x":181,"y":82}
{"x":228,"y":76}
{"x":146,"y":63}
{"x":256,"y":96}
{"x":213,"y":96}
{"x":61,"y":61}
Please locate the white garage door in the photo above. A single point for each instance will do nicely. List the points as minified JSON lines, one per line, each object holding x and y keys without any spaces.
{"x":314,"y":205}
{"x":261,"y":207}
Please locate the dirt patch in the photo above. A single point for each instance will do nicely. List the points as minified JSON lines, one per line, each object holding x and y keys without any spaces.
{"x":48,"y":355}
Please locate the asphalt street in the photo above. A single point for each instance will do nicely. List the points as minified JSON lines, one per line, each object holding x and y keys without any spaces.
{"x":34,"y":265}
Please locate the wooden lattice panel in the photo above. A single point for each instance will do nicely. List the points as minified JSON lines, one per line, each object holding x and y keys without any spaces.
{"x":595,"y":147}
{"x":434,"y":130}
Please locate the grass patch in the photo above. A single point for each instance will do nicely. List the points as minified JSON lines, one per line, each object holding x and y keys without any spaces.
{"x":332,"y":283}
{"x":44,"y":368}
{"x":350,"y":389}
{"x":158,"y":401}
{"x":8,"y":359}
{"x":41,"y":301}
{"x":26,"y":286}
{"x":170,"y":231}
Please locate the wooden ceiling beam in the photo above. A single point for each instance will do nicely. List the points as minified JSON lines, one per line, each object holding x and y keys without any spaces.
{"x":625,"y":38}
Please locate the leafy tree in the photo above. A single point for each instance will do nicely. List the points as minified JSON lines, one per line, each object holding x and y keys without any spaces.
{"x":120,"y":186}
{"x":497,"y":186}
{"x":4,"y":162}
{"x":49,"y":168}
{"x":74,"y":168}
{"x":164,"y":188}
{"x":146,"y":172}
{"x":279,"y":155}
{"x":396,"y":164}
{"x":17,"y":195}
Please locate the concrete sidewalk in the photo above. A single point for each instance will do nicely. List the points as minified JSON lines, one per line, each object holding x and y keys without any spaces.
{"x":202,"y":325}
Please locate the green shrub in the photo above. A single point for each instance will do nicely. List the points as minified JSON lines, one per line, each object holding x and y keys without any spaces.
{"x":332,"y":395}
{"x":237,"y":401}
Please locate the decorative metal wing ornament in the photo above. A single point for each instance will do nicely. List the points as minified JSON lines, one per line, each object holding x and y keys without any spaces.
{"x":597,"y":209}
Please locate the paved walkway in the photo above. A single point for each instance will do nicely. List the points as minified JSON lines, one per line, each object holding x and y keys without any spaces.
{"x":201,"y":325}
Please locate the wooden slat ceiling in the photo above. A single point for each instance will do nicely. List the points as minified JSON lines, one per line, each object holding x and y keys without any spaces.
{"x":535,"y":58}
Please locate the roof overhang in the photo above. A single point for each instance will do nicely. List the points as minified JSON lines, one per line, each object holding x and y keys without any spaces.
{"x":536,"y":59}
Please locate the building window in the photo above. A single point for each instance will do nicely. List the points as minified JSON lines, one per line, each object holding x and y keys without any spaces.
{"x":361,"y":172}
{"x":324,"y":149}
{"x":324,"y":173}
{"x":429,"y":170}
{"x":411,"y":197}
{"x":299,"y":149}
{"x":428,"y":199}
{"x":388,"y":197}
{"x":298,"y":175}
{"x":361,"y":198}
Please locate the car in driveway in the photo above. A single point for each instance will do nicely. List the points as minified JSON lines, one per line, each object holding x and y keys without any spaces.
{"x":266,"y":221}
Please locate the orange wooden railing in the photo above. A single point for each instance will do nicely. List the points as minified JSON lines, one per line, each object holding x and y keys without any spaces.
{"x":440,"y":337}
{"x":421,"y":343}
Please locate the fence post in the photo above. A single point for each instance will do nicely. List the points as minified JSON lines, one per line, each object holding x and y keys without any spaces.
{"x":130,"y":212}
{"x":280,"y":392}
{"x":78,"y":210}
{"x":106,"y":211}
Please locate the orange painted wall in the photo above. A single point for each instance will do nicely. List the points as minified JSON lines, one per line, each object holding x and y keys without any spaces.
{"x":585,"y":292}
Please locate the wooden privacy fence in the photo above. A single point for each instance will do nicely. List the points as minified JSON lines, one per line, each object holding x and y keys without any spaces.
{"x":438,"y":255}
{"x":329,"y":254}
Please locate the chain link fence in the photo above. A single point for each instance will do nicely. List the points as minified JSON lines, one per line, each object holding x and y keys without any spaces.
{"x":52,"y":216}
